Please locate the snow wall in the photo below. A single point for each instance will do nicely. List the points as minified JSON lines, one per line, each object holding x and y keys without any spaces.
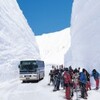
{"x":53,"y":46}
{"x":85,"y":35}
{"x":17,"y":41}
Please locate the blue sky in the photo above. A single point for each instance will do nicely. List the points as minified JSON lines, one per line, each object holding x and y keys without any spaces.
{"x":46,"y":16}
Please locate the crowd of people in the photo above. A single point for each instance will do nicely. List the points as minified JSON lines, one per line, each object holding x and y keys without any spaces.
{"x":73,"y":80}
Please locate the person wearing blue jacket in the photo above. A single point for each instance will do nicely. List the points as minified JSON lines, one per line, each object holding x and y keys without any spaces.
{"x":83,"y":81}
{"x":96,"y":75}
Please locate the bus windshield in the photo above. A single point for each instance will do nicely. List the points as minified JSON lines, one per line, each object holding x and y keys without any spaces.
{"x":28,"y":66}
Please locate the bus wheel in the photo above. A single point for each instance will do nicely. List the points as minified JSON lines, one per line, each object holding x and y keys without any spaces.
{"x":23,"y":81}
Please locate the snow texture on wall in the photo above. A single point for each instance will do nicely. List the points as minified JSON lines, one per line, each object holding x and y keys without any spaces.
{"x":17,"y":41}
{"x":85,"y":35}
{"x":53,"y":46}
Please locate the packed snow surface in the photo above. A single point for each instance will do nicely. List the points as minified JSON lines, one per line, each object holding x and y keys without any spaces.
{"x":15,"y":90}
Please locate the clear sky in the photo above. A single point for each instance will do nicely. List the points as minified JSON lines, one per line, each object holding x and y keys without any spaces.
{"x":45,"y":16}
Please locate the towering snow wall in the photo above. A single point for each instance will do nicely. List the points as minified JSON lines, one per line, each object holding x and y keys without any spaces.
{"x":53,"y":46}
{"x":17,"y":41}
{"x":85,"y":35}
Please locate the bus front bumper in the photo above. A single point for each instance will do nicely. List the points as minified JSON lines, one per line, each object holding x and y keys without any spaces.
{"x":29,"y":77}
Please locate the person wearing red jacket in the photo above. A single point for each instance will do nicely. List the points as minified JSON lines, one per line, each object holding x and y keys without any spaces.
{"x":67,"y":81}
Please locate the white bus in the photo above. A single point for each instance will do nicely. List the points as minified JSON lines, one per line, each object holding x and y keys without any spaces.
{"x":31,"y":70}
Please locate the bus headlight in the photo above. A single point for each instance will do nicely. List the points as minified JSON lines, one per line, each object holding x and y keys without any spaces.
{"x":35,"y":75}
{"x":21,"y":76}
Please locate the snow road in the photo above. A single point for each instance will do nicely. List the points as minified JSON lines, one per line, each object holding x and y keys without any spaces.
{"x":36,"y":91}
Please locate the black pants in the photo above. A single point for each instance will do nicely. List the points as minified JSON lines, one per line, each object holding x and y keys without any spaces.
{"x":83,"y":90}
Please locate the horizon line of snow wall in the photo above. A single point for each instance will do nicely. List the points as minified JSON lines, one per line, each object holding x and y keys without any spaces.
{"x":17,"y":41}
{"x":85,"y":35}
